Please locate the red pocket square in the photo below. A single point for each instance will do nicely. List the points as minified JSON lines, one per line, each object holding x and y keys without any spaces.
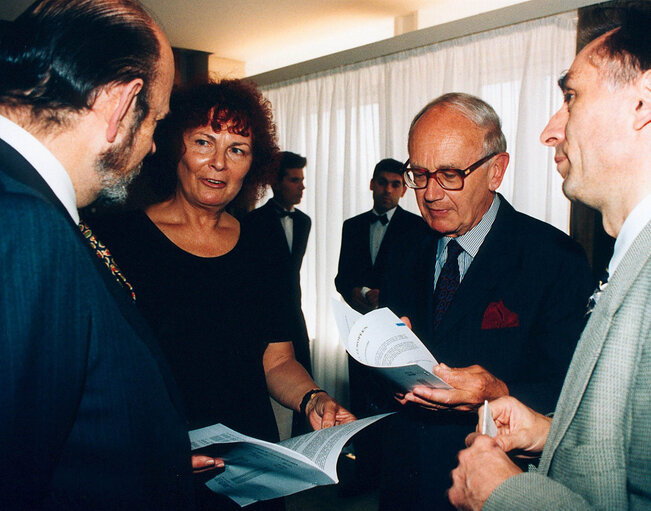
{"x":497,"y":315}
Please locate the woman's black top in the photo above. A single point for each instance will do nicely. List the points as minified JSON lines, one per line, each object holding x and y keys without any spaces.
{"x":213,"y":316}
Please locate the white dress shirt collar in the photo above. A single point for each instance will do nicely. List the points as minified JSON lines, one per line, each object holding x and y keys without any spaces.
{"x":45,"y":163}
{"x":389,"y":213}
{"x":470,"y":242}
{"x":633,"y":225}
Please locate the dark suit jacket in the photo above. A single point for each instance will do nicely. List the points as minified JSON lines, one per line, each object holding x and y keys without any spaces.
{"x":264,"y":224}
{"x":355,"y":267}
{"x":91,"y":418}
{"x":538,"y":273}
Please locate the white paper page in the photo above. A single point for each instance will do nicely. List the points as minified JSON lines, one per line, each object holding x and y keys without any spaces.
{"x":345,"y":317}
{"x":324,"y":446}
{"x":258,"y":470}
{"x":488,"y":426}
{"x":381,"y":340}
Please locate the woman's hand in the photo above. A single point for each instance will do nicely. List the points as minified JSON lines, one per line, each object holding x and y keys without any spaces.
{"x":288,"y":383}
{"x":323,"y":412}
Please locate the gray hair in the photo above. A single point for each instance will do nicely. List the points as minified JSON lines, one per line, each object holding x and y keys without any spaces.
{"x":477,"y":111}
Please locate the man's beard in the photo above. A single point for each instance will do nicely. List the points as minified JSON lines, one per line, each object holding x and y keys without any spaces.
{"x":112,"y":169}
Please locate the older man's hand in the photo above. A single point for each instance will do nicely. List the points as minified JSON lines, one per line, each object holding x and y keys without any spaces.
{"x":483,"y":466}
{"x":471,"y":386}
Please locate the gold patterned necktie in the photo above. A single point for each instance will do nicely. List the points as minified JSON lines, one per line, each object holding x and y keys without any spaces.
{"x":105,"y":255}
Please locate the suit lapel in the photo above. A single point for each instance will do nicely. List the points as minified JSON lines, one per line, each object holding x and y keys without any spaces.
{"x":392,"y":231}
{"x":484,"y":274}
{"x":278,"y":232}
{"x":592,"y":342}
{"x":299,"y":238}
{"x":422,"y":266}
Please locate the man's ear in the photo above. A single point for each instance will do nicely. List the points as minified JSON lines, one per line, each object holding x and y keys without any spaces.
{"x":120,"y":99}
{"x":496,"y":171}
{"x":642,"y":116}
{"x":370,"y":185}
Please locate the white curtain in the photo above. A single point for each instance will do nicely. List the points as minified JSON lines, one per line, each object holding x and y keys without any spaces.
{"x":347,"y":119}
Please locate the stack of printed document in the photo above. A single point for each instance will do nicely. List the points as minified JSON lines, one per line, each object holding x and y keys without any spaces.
{"x":381,"y":341}
{"x":258,"y":470}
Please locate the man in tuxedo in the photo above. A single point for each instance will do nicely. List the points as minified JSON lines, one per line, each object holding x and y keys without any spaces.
{"x":366,"y":243}
{"x":498,"y":297}
{"x":283,"y":231}
{"x":367,"y":239}
{"x":90,"y":416}
{"x":595,"y":450}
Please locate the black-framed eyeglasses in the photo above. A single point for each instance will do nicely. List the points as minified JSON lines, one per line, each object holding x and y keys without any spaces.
{"x":449,"y":179}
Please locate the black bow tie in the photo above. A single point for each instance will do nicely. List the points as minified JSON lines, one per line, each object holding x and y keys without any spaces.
{"x":382,"y":218}
{"x":283,"y":213}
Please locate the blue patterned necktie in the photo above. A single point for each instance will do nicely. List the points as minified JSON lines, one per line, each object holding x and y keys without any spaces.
{"x":447,"y":283}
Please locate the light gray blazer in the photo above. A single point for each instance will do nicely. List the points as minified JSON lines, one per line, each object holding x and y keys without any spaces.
{"x":598,"y":453}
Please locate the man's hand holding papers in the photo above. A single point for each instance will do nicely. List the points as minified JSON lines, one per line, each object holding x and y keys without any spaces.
{"x":470,"y":387}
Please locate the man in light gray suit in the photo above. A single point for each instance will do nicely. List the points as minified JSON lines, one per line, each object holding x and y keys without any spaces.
{"x":596,"y":452}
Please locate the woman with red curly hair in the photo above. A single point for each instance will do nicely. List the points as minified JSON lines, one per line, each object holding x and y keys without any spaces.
{"x":216,"y":305}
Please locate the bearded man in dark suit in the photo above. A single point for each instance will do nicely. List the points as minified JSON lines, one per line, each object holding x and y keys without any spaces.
{"x":90,"y":416}
{"x":497,"y":296}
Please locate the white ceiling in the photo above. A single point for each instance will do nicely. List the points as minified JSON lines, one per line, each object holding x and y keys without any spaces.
{"x":269,"y":34}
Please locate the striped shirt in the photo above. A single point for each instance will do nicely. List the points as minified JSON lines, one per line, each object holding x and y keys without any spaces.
{"x":470,"y":242}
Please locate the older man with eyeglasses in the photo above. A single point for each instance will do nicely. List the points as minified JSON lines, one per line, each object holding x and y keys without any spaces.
{"x":498,"y":297}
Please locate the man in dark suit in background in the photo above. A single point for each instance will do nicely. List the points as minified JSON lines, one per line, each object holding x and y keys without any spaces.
{"x":367,"y":239}
{"x":366,"y":243}
{"x":90,"y":417}
{"x":498,"y":297}
{"x":283,"y":232}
